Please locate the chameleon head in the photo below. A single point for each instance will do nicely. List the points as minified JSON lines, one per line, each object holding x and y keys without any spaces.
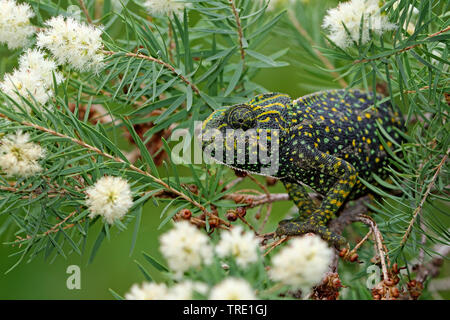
{"x":247,"y":136}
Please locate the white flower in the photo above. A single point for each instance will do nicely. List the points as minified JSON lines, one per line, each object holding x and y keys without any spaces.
{"x":185,"y":247}
{"x":350,"y":14}
{"x":243,"y":246}
{"x":302,"y":263}
{"x":232,"y":289}
{"x":185,"y":290}
{"x":19,"y":156}
{"x":74,"y":43}
{"x":15,"y":26}
{"x":110,"y":198}
{"x":147,"y":291}
{"x":33,"y":60}
{"x":165,"y":7}
{"x":33,"y":80}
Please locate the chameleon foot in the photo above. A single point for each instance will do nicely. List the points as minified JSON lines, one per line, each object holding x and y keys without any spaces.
{"x":296,"y":227}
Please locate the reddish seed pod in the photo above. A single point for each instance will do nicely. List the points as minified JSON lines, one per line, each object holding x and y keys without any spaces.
{"x":185,"y":214}
{"x":412,"y":283}
{"x":241,"y":211}
{"x":231,"y":215}
{"x":395,"y":268}
{"x":240,"y":174}
{"x":354,"y":257}
{"x":271,"y":181}
{"x":343,"y":252}
{"x":395,"y":293}
{"x":193,"y":188}
{"x":213,"y":223}
{"x":202,"y":216}
{"x":389,"y":282}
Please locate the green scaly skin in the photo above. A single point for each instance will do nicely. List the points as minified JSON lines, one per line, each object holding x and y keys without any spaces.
{"x":326,"y":141}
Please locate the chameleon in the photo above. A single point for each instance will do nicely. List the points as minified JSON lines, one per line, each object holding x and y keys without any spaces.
{"x":327,"y":141}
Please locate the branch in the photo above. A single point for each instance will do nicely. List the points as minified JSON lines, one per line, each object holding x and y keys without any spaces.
{"x":418,"y":210}
{"x":239,"y":28}
{"x":402,"y":50}
{"x":164,"y":64}
{"x":378,"y":242}
{"x":86,"y":13}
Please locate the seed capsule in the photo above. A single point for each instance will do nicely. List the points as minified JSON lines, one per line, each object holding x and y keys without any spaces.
{"x":343,"y":252}
{"x":213,"y":223}
{"x":186,"y":214}
{"x":231,"y":215}
{"x":241,"y":211}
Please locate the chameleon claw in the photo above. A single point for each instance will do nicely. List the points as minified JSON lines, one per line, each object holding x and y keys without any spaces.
{"x":297,"y":227}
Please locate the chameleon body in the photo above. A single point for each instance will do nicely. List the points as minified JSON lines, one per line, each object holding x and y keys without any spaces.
{"x":327,"y":141}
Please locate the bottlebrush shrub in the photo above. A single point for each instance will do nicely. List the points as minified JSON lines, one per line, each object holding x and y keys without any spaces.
{"x":89,"y":100}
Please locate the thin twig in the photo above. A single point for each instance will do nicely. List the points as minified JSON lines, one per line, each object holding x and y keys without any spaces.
{"x":86,"y":13}
{"x":275,"y":244}
{"x":269,"y":204}
{"x":359,"y":244}
{"x":239,"y":28}
{"x":164,"y":64}
{"x":418,"y":210}
{"x":402,"y":50}
{"x":378,"y":242}
{"x":56,"y":226}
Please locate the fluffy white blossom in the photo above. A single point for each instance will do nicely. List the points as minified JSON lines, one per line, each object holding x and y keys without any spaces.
{"x":165,"y":7}
{"x":185,"y":290}
{"x":147,"y":291}
{"x":302,"y":263}
{"x":73,"y":42}
{"x":33,"y":79}
{"x":350,"y":14}
{"x":232,"y":289}
{"x":15,"y":26}
{"x":185,"y":247}
{"x":243,"y":246}
{"x":110,"y":197}
{"x":33,"y":60}
{"x":19,"y":156}
{"x":160,"y":291}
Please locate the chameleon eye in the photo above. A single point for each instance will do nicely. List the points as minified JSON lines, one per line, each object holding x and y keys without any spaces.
{"x":241,"y":117}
